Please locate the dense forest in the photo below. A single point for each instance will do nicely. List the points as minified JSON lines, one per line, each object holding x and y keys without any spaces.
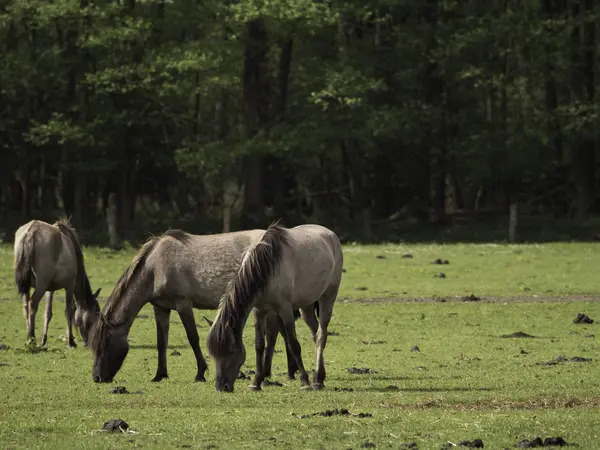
{"x":213,"y":116}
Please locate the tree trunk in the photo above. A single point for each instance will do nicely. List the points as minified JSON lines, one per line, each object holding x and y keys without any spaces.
{"x":255,"y":96}
{"x":583,"y":165}
{"x":111,"y":221}
{"x":552,"y":11}
{"x":357,"y":178}
{"x":279,"y":176}
{"x":512,"y":221}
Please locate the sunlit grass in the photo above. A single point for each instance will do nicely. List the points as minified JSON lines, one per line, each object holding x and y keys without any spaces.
{"x":466,"y":382}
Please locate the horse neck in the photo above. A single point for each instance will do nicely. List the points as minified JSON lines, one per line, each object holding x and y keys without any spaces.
{"x":124,"y":310}
{"x":83,"y":291}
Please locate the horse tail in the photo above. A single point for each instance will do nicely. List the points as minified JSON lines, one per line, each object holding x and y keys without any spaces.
{"x":23,"y":262}
{"x":82,"y":279}
{"x":258,"y":267}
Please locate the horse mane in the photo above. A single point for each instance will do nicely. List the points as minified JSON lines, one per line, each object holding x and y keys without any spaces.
{"x":256,"y":270}
{"x":83,"y":281}
{"x":99,"y":331}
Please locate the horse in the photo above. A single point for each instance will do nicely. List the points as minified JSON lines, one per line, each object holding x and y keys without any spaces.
{"x":49,"y":258}
{"x":174,"y":271}
{"x":284,"y":269}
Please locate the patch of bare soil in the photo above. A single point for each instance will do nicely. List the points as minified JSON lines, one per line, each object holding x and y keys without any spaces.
{"x":485,"y":299}
{"x":115,"y":425}
{"x":476,"y":443}
{"x":333,"y":412}
{"x":582,"y":318}
{"x":518,"y":334}
{"x":563,"y":359}
{"x":268,"y":382}
{"x":123,"y":390}
{"x":360,"y":370}
{"x":496,"y":405}
{"x":537,"y":442}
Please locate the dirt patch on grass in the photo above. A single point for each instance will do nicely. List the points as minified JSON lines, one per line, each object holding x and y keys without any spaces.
{"x":582,"y":318}
{"x":360,"y":370}
{"x":500,"y":405}
{"x":115,"y":425}
{"x":558,"y":441}
{"x":333,"y":412}
{"x":563,"y":359}
{"x":517,"y":334}
{"x":483,"y":298}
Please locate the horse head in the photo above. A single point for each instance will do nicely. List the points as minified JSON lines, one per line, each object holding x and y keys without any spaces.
{"x":110,"y":346}
{"x":228,"y":352}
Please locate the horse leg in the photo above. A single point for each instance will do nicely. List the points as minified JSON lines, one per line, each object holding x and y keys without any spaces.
{"x":26,"y":300}
{"x":47,"y":316}
{"x":271,"y":332}
{"x":33,"y":304}
{"x":187,"y":318}
{"x":309,"y":317}
{"x":69,"y":313}
{"x":286,"y":317}
{"x":291,"y":361}
{"x":260,"y":318}
{"x":162,"y":317}
{"x":325,"y":311}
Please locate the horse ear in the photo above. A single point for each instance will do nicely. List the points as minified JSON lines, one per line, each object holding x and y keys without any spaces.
{"x":95,"y":294}
{"x":210,"y":322}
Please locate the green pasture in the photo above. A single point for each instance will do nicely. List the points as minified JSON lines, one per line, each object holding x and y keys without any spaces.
{"x":466,"y":382}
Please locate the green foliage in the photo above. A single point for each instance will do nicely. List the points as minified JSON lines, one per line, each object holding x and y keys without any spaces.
{"x":463,"y":89}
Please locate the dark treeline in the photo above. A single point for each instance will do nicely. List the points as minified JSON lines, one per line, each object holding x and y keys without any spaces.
{"x":225,"y":115}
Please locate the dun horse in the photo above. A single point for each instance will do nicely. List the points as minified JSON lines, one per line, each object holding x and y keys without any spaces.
{"x":49,"y":258}
{"x":283,"y":270}
{"x":176,"y":271}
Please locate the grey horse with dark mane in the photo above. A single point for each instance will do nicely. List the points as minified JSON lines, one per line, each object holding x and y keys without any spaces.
{"x":49,"y":258}
{"x":175,"y":271}
{"x":282,"y":270}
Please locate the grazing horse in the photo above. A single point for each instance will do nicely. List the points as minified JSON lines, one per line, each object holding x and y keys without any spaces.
{"x":49,"y":258}
{"x":175,"y":271}
{"x":283,"y":269}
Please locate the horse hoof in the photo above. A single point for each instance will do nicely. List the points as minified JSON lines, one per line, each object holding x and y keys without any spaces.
{"x":158,"y":378}
{"x":306,"y":387}
{"x":317,"y":386}
{"x":254,"y":387}
{"x":200,"y":379}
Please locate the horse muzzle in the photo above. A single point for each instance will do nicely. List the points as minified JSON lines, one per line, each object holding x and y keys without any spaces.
{"x":224,"y":387}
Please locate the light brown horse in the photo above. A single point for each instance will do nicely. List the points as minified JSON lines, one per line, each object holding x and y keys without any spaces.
{"x":49,"y":258}
{"x":176,"y":271}
{"x":283,"y":269}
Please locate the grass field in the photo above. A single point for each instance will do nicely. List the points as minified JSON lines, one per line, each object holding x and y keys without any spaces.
{"x":466,"y":382}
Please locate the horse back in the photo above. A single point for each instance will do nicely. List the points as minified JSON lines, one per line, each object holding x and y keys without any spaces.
{"x":199,"y":267}
{"x":54,"y":259}
{"x":313,"y":262}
